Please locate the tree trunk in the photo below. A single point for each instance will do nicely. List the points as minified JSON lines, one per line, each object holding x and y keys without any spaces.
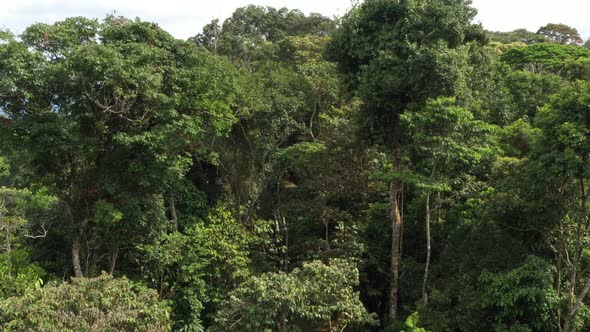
{"x":574,"y":309}
{"x":4,"y":224}
{"x":428,"y":246}
{"x":282,"y":231}
{"x":286,"y":230}
{"x":395,"y":193}
{"x":113,"y":261}
{"x":396,"y":221}
{"x":76,"y":258}
{"x":581,"y":231}
{"x":428,"y":251}
{"x":8,"y":249}
{"x":326,"y":223}
{"x":558,"y":272}
{"x":315,"y":107}
{"x":173,"y":214}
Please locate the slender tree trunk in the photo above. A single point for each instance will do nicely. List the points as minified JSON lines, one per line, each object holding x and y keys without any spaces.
{"x":573,"y":276}
{"x":282,"y":231}
{"x":428,"y":245}
{"x":286,"y":230}
{"x":428,"y":251}
{"x":571,"y":314}
{"x":4,"y":224}
{"x":79,"y":226}
{"x":113,"y":261}
{"x":326,"y":223}
{"x":558,"y":272}
{"x":315,"y":107}
{"x":395,"y":194}
{"x":567,"y":324}
{"x":76,"y":258}
{"x":173,"y":215}
{"x":581,"y":231}
{"x":8,"y":249}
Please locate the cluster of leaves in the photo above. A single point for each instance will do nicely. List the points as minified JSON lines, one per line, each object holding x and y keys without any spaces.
{"x":314,"y":296}
{"x":93,"y":304}
{"x":199,"y":266}
{"x":544,"y":58}
{"x":523,"y":297}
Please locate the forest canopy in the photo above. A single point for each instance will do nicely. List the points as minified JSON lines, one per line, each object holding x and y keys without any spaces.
{"x":399,"y":168}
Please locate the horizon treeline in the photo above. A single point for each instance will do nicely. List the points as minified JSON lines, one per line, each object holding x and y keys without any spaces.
{"x":396,"y":169}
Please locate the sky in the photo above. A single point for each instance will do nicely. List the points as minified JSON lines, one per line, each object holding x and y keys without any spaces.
{"x":185,"y":18}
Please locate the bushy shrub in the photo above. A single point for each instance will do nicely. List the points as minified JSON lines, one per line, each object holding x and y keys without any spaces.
{"x":95,"y":304}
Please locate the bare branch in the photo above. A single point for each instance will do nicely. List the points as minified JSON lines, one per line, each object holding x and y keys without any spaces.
{"x":580,"y":299}
{"x":38,"y":236}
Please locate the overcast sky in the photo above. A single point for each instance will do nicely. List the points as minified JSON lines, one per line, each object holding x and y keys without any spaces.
{"x":185,"y":18}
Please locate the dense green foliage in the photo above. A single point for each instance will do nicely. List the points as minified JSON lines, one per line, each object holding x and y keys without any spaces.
{"x":316,"y":296}
{"x":87,"y":304}
{"x":396,"y":169}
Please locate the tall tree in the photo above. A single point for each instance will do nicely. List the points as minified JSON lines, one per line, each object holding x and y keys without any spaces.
{"x":107,"y":115}
{"x":398,"y":53}
{"x":561,"y":34}
{"x":289,"y":85}
{"x":444,"y":138}
{"x":561,"y":161}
